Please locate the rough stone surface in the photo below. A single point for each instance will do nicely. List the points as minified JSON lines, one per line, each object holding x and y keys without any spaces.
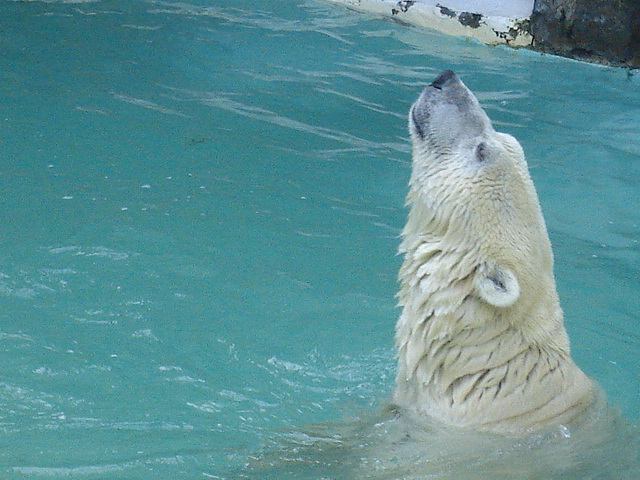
{"x":601,"y":30}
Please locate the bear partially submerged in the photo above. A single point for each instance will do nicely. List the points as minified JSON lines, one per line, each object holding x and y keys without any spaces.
{"x":481,"y":338}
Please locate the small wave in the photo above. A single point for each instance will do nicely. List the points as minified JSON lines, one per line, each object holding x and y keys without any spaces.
{"x":70,"y":472}
{"x":98,"y":251}
{"x":148,"y":105}
{"x":366,"y":104}
{"x":311,"y":234}
{"x":95,"y":470}
{"x":49,"y":372}
{"x":358,"y":213}
{"x":206,"y":407}
{"x":15,"y":336}
{"x":145,"y":333}
{"x":236,"y":397}
{"x":27,"y":284}
{"x":57,"y":1}
{"x":142,"y":27}
{"x":224,"y":102}
{"x":253,"y":17}
{"x":24,"y":293}
{"x":394,"y":230}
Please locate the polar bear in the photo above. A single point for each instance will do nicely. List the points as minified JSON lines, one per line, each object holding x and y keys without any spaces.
{"x":481,"y":340}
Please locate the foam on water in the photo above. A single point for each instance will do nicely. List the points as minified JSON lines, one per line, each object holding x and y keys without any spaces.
{"x":202,"y":205}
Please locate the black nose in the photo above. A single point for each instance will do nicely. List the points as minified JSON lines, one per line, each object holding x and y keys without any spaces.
{"x":443,"y":78}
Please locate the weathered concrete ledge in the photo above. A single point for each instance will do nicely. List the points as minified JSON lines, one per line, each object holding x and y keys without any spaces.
{"x":490,"y":27}
{"x":603,"y":31}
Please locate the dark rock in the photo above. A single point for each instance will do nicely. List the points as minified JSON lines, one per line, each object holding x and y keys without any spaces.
{"x":403,"y":5}
{"x":446,"y":11}
{"x":602,"y":30}
{"x":470,"y":19}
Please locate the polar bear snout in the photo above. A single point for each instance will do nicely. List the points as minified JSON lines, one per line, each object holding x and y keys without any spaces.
{"x":443,"y":78}
{"x":447,"y":113}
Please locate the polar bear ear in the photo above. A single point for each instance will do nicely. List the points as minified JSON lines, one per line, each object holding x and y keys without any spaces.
{"x":497,"y":285}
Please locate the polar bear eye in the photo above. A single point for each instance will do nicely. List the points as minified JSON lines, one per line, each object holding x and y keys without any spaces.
{"x":482,"y":151}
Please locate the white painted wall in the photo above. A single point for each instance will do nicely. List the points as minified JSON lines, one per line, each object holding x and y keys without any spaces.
{"x":497,"y":8}
{"x":501,"y":20}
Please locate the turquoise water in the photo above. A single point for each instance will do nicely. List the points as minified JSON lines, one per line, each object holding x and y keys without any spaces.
{"x":201,"y":205}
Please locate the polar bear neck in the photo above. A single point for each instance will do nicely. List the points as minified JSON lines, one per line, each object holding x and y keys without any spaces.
{"x":455,"y":349}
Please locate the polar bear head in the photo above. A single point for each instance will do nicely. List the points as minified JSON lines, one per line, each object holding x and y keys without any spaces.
{"x":481,"y":339}
{"x":476,"y":190}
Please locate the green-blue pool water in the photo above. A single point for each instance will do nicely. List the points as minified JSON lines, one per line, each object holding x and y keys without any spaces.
{"x":201,"y":204}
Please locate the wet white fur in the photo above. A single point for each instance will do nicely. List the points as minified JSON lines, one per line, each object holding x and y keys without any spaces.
{"x":481,"y":340}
